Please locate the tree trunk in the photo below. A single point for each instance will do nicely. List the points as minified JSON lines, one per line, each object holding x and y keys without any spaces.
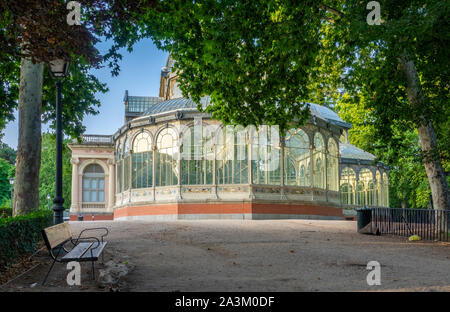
{"x":26,"y":190}
{"x":427,"y":137}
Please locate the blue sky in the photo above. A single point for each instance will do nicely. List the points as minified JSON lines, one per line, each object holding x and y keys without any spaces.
{"x":140,"y":73}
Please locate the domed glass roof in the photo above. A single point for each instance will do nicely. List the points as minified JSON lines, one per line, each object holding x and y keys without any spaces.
{"x":352,"y":152}
{"x":171,"y":105}
{"x":327,"y":114}
{"x":319,"y":111}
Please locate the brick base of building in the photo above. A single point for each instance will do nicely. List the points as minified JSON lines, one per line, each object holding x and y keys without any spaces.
{"x":240,"y":210}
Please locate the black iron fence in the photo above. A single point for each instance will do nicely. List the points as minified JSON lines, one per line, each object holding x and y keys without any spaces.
{"x":429,"y":224}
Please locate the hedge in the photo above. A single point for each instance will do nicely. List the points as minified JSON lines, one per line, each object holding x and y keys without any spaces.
{"x":20,"y":235}
{"x":5,"y":212}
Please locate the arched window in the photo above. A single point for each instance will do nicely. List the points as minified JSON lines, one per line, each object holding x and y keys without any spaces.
{"x":378,"y":189}
{"x":196,"y":157}
{"x":93,"y":184}
{"x":296,"y":158}
{"x":366,"y":177}
{"x":346,"y":191}
{"x":126,"y":164}
{"x":332,"y":166}
{"x":370,"y":194}
{"x":119,"y":169}
{"x":266,"y":156}
{"x":142,"y":161}
{"x":385,"y":190}
{"x":167,"y":154}
{"x":361,"y":194}
{"x":348,"y":187}
{"x":319,"y":161}
{"x":232,"y":156}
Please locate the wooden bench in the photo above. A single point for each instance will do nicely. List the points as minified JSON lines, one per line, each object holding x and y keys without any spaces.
{"x":84,"y":248}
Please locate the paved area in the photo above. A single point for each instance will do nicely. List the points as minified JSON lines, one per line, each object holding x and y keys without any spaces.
{"x":244,"y":255}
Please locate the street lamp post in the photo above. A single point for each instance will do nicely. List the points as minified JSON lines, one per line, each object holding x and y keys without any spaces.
{"x":59,"y":70}
{"x":11,"y":182}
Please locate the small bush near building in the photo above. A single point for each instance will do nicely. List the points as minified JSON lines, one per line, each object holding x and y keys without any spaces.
{"x":20,"y":235}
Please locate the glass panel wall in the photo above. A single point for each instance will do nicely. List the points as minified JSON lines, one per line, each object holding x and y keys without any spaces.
{"x":167,"y":154}
{"x":119,"y":169}
{"x":378,"y":189}
{"x":366,"y":177}
{"x":232,"y":156}
{"x":126,"y":164}
{"x":142,"y":161}
{"x":370,"y":194}
{"x":385,"y":190}
{"x":319,"y":161}
{"x":296,"y":158}
{"x":348,"y":187}
{"x":196,"y":160}
{"x":361,"y":193}
{"x":332,"y":166}
{"x":266,"y":154}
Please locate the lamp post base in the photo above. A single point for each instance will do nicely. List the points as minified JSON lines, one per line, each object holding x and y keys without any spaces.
{"x":58,"y":209}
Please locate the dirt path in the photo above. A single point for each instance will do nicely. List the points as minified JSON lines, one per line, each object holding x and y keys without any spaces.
{"x":228,"y":255}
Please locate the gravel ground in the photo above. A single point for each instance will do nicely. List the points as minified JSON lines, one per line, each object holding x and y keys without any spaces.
{"x":245,"y":255}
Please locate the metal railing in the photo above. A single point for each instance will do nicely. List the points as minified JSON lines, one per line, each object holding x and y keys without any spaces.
{"x":97,"y":139}
{"x":429,"y":224}
{"x":93,"y":205}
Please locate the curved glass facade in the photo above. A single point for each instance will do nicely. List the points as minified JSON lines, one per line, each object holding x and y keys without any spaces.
{"x":231,"y":155}
{"x":332,"y":166}
{"x":142,"y":161}
{"x":297,"y":158}
{"x":222,"y":155}
{"x":167,"y":152}
{"x":199,"y":154}
{"x":364,"y":188}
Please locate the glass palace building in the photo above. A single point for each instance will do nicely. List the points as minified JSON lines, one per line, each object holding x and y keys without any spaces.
{"x":170,"y":161}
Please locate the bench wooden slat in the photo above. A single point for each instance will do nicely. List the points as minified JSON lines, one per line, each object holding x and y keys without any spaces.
{"x":58,"y":234}
{"x":82,"y":252}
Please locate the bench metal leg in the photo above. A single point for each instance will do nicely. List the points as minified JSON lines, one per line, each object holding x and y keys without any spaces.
{"x":51,"y":267}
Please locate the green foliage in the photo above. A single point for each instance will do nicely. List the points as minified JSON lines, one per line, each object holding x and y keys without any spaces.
{"x":6,"y":172}
{"x":368,"y":58}
{"x":20,"y":235}
{"x":254,"y":58}
{"x":9,"y":92}
{"x":48,"y":169}
{"x":5,"y":209}
{"x":79,"y":91}
{"x":8,"y":153}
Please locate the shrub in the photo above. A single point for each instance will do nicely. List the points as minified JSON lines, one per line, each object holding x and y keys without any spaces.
{"x":20,"y":235}
{"x":5,"y":211}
